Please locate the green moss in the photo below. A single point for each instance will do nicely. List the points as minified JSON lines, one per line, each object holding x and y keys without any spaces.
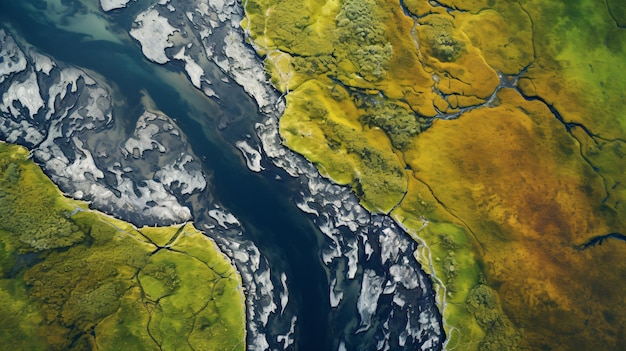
{"x":76,"y":279}
{"x":362,"y":39}
{"x":159,"y":279}
{"x":437,"y":32}
{"x":328,"y":133}
{"x":296,"y":26}
{"x":51,"y":229}
{"x":194,"y":244}
{"x":126,"y":328}
{"x":503,"y":34}
{"x":19,"y":319}
{"x":591,"y":79}
{"x":483,"y":303}
{"x":396,"y":119}
{"x":415,"y":7}
{"x":159,"y":236}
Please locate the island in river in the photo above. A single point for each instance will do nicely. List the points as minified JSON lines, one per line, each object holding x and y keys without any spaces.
{"x":493,"y":131}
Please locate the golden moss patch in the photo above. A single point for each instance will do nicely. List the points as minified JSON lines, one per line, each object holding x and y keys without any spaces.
{"x":75,"y":279}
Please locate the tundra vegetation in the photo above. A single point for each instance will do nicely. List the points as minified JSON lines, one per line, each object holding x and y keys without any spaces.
{"x":492,"y":130}
{"x":75,"y":279}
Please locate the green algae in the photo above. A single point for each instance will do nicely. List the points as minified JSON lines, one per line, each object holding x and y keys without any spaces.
{"x":73,"y":278}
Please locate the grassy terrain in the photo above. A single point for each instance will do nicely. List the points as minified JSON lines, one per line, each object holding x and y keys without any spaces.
{"x":76,"y":279}
{"x":502,"y":195}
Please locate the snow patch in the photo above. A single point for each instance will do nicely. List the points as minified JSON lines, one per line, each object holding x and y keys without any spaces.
{"x":108,"y":5}
{"x":253,"y":156}
{"x":26,"y":93}
{"x":224,"y":218}
{"x":371,"y":289}
{"x":14,"y":60}
{"x":42,"y":63}
{"x":152,"y":31}
{"x":194,"y":71}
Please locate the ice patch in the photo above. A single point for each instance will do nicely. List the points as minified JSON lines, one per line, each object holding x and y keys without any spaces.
{"x":353,"y":258}
{"x":26,"y":93}
{"x":153,"y":31}
{"x":252,"y":156}
{"x":224,"y":218}
{"x":83,"y":165}
{"x":284,"y":295}
{"x":371,"y":289}
{"x":189,"y":181}
{"x":194,"y":71}
{"x":244,"y":69}
{"x":399,"y":300}
{"x":306,"y":208}
{"x":342,"y":346}
{"x":42,"y":62}
{"x":405,"y":275}
{"x":390,"y":244}
{"x":335,"y":296}
{"x":143,"y":138}
{"x":68,"y":78}
{"x":14,"y":60}
{"x":288,"y":339}
{"x":108,"y":5}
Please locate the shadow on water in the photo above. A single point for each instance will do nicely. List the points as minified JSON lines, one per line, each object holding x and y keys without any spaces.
{"x":283,"y":234}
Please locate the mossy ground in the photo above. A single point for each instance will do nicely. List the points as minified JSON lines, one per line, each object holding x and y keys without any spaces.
{"x":75,"y":279}
{"x":509,"y":190}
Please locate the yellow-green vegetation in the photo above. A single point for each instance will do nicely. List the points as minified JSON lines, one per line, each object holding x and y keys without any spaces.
{"x":76,"y":279}
{"x":501,"y":198}
{"x":324,"y":126}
